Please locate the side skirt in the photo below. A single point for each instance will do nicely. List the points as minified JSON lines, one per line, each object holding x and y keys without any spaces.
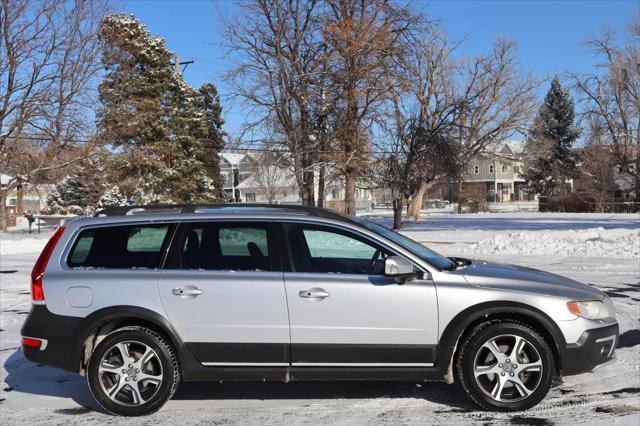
{"x":286,"y":374}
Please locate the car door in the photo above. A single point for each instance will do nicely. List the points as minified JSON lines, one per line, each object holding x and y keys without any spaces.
{"x":223,"y":291}
{"x":345,"y":312}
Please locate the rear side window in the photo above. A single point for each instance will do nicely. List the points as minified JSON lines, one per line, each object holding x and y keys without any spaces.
{"x":227,"y":246}
{"x":120,"y":247}
{"x":238,"y":241}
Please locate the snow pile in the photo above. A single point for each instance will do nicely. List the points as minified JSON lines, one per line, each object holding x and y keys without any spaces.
{"x":22,"y":242}
{"x":593,"y":242}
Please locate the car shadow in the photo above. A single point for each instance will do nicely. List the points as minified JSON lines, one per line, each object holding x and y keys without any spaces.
{"x":26,"y":377}
{"x":629,"y":339}
{"x":440,"y":393}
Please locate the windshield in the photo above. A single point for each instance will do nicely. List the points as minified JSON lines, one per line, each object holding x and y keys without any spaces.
{"x":415,"y":247}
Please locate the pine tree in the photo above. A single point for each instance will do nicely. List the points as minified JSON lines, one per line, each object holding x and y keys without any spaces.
{"x":213,"y":135}
{"x":549,"y":156}
{"x":152,"y":117}
{"x":56,"y":202}
{"x":80,"y":191}
{"x":112,"y":197}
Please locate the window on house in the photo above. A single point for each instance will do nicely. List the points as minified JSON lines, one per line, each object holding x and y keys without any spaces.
{"x":505,"y":168}
{"x":476,"y":169}
{"x":516,"y":169}
{"x":250,"y":197}
{"x":491,"y":168}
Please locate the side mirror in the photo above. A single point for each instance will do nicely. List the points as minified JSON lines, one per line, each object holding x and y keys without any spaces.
{"x":399,"y":268}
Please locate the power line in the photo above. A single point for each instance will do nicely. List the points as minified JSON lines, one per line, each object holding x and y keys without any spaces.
{"x":49,"y":139}
{"x":250,"y":149}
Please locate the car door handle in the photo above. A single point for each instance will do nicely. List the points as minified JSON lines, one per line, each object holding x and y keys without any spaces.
{"x":188,"y":291}
{"x":314,"y":293}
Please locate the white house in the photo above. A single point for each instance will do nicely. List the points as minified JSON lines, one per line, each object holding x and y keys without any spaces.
{"x":250,"y":181}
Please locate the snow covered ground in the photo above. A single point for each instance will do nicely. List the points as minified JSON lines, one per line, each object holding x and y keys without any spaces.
{"x":601,"y":250}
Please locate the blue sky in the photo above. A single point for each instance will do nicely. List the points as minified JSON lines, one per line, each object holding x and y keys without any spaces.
{"x":549,"y":33}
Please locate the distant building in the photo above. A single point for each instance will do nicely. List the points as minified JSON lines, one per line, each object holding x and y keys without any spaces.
{"x":496,"y":172}
{"x":334,"y":193}
{"x":616,"y":183}
{"x":624,"y":185}
{"x":28,"y":197}
{"x":247,"y":180}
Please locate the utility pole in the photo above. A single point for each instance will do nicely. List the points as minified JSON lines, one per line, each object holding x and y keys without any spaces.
{"x":177,"y":64}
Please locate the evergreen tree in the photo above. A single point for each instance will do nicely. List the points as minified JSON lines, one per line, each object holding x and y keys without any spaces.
{"x":213,"y":134}
{"x":152,"y":117}
{"x":56,"y":202}
{"x":549,"y":154}
{"x":79,"y":192}
{"x":112,"y":198}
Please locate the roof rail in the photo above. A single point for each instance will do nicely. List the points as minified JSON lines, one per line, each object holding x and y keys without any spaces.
{"x":195,"y":208}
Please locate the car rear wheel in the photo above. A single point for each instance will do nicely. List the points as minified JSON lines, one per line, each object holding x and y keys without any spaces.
{"x":133,"y":372}
{"x":505,"y":366}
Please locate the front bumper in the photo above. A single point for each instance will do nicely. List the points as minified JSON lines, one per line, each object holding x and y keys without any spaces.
{"x":594,"y":347}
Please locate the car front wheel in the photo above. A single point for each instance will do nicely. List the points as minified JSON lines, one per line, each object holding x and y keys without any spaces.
{"x":133,"y":372}
{"x":505,"y":366}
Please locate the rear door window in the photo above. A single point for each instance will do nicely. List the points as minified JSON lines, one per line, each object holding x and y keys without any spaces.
{"x":120,"y":247}
{"x":228,"y":246}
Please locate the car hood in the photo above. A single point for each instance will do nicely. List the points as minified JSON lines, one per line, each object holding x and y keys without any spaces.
{"x":519,"y":278}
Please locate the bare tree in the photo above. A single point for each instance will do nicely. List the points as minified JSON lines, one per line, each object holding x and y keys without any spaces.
{"x":498,"y":103}
{"x":424,"y":116}
{"x":48,"y":60}
{"x":281,"y":51}
{"x":431,"y":88}
{"x":420,"y":154}
{"x":611,"y":97}
{"x":448,"y":110}
{"x":597,"y":169}
{"x":367,"y":42}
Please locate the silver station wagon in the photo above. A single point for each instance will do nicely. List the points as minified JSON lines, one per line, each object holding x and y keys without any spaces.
{"x":139,"y":298}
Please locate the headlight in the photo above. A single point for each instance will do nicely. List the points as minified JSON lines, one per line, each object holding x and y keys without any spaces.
{"x":590,"y":310}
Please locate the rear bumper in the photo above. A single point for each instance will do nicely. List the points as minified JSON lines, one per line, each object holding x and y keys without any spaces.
{"x":594,"y":347}
{"x":58,"y":331}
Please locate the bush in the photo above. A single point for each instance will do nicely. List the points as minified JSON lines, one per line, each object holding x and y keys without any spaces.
{"x":568,"y":203}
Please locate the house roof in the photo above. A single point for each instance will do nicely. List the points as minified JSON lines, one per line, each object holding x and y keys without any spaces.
{"x":234,"y":158}
{"x":510,"y":149}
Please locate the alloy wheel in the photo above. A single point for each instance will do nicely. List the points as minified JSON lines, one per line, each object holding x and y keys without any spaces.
{"x":130,"y":373}
{"x":508,"y":368}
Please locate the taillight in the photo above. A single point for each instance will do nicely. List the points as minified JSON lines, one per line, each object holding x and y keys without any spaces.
{"x":37,"y":295}
{"x":32,"y":343}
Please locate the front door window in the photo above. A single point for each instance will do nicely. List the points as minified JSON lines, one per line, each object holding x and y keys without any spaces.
{"x":323,"y":250}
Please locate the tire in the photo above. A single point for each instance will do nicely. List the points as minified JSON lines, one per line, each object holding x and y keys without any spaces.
{"x":504,"y":384}
{"x":151,"y":368}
